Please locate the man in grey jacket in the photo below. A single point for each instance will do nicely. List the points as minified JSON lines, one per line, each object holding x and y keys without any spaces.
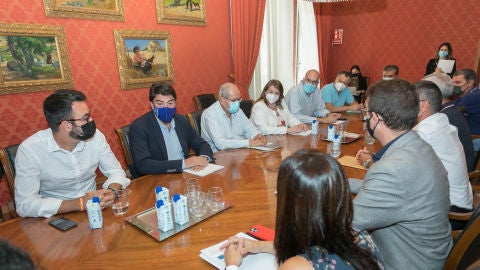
{"x":404,"y":199}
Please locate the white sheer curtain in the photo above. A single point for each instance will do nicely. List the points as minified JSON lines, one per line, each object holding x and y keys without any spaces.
{"x":307,"y":43}
{"x":275,"y":60}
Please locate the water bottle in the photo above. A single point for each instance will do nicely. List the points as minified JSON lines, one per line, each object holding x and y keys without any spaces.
{"x":331,"y":132}
{"x":94,"y":212}
{"x":164,"y":216}
{"x":180,"y":209}
{"x":314,"y":127}
{"x":336,"y":146}
{"x":162,"y":193}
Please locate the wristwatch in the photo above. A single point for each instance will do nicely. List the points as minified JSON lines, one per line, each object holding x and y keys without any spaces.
{"x":115,"y":191}
{"x":366,"y":163}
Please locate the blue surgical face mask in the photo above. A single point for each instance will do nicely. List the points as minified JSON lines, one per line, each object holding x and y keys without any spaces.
{"x":309,"y":88}
{"x":442,"y":54}
{"x":234,"y":107}
{"x":165,"y":114}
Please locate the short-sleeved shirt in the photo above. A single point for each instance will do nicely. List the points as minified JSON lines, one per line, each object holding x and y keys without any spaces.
{"x":331,"y":95}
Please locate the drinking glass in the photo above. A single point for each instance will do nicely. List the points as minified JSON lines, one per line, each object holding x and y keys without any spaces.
{"x":120,"y":204}
{"x":215,"y":199}
{"x":197,"y":204}
{"x":368,"y":138}
{"x":335,"y":153}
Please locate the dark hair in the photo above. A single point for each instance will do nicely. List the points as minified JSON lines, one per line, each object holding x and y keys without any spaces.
{"x":357,"y":68}
{"x":391,"y":67}
{"x":430,"y":92}
{"x":58,"y":106}
{"x":449,"y":48}
{"x":396,"y":101}
{"x":161,"y":89}
{"x":136,"y":48}
{"x":278,"y":85}
{"x":346,"y":73}
{"x":468,"y":74}
{"x":315,"y":209}
{"x":13,"y":258}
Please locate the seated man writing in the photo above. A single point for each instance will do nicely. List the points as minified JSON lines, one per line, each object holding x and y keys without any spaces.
{"x":225,"y":126}
{"x":55,"y":167}
{"x":337,"y":95}
{"x":160,"y":140}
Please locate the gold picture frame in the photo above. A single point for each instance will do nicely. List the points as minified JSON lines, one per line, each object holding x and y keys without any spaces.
{"x":144,"y":57}
{"x":187,"y":12}
{"x":110,"y":10}
{"x":33,"y":58}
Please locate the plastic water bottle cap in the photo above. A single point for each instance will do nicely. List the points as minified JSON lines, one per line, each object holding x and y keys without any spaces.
{"x":160,"y":203}
{"x":336,"y":136}
{"x":158,"y":189}
{"x":176,"y":197}
{"x":96,"y":199}
{"x":331,"y":126}
{"x":314,"y":121}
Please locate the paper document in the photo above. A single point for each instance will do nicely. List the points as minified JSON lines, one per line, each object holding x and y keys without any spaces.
{"x":270,"y":146}
{"x":352,"y":135}
{"x":304,"y":133}
{"x":205,"y":171}
{"x":446,"y":65}
{"x":350,"y":161}
{"x":264,"y":261}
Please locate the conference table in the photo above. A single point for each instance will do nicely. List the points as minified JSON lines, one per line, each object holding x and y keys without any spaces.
{"x":249,"y":183}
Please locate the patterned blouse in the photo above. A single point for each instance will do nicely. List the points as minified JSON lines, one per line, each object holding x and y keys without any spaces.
{"x":321,"y":259}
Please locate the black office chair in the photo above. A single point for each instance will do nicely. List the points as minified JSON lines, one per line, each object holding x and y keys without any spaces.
{"x":7,"y":158}
{"x":246,"y":106}
{"x":195,"y":119}
{"x":203,"y":101}
{"x":122,"y":134}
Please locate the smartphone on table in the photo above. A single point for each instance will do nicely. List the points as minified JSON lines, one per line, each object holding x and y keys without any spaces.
{"x":62,"y":223}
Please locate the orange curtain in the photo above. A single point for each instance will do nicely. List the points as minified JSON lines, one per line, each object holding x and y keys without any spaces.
{"x":247,"y":23}
{"x":324,"y":22}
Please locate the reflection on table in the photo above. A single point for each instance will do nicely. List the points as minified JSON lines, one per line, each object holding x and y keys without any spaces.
{"x":248,"y":181}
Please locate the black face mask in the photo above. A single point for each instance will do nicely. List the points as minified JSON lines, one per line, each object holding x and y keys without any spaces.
{"x":370,"y":129}
{"x":457,"y":90}
{"x":88,"y":130}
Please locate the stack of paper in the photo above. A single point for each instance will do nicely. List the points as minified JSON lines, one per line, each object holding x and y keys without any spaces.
{"x":268,"y":147}
{"x":264,"y":261}
{"x":210,"y":168}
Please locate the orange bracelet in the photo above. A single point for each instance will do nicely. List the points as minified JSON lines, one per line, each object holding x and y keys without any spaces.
{"x":81,"y":204}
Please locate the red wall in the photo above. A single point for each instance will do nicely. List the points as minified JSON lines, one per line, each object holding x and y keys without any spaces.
{"x":201,"y":61}
{"x":406,"y":33}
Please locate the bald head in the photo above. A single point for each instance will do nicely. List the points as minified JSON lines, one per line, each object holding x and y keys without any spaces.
{"x":229,"y":89}
{"x":312,"y":77}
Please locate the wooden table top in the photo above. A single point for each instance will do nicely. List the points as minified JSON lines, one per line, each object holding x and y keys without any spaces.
{"x":248,"y":181}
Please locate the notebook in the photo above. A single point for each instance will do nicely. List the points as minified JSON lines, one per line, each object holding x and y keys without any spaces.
{"x":210,"y":168}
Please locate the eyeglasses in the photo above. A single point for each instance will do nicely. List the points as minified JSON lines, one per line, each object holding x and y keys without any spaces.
{"x":311,"y":82}
{"x":233,"y":100}
{"x":424,"y":100}
{"x":85,"y":118}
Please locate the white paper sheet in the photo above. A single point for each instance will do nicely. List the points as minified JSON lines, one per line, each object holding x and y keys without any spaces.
{"x":446,"y":65}
{"x":214,"y":256}
{"x":268,"y":147}
{"x":205,"y":171}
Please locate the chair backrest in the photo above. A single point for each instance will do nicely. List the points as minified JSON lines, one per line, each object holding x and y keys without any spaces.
{"x":7,"y":158}
{"x":203,"y":101}
{"x":465,"y":250}
{"x":195,"y":119}
{"x":122,"y":134}
{"x":246,"y":106}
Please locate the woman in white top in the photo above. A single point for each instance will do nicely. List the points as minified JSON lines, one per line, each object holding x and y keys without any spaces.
{"x":270,"y":113}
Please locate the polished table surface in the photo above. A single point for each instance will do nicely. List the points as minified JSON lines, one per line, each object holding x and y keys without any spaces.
{"x":248,"y":181}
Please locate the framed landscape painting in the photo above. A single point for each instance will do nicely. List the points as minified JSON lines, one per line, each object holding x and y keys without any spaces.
{"x":144,"y":57}
{"x":86,"y":9}
{"x":188,"y":12}
{"x":33,"y":58}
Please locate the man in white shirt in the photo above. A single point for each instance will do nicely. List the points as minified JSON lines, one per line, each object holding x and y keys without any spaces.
{"x":55,"y":167}
{"x":225,"y":126}
{"x":434,"y":128}
{"x":305,"y":100}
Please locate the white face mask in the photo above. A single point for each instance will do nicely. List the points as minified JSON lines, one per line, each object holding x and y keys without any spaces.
{"x":339,"y":86}
{"x":271,"y":98}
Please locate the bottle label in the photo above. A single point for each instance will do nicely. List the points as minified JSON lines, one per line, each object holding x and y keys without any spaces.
{"x":331,"y":132}
{"x":163,"y":195}
{"x":180,"y":210}
{"x":95,"y":218}
{"x":164,"y":217}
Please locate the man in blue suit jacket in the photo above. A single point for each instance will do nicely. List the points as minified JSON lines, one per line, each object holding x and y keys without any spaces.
{"x":160,"y":140}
